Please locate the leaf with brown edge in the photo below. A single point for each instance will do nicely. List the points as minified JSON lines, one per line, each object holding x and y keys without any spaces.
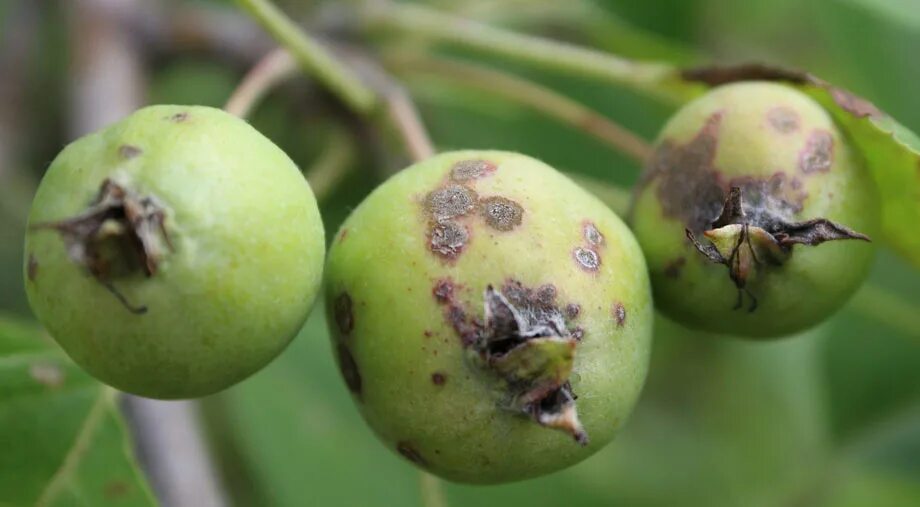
{"x":891,"y":151}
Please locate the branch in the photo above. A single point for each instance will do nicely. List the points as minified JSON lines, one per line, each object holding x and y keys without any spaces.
{"x":534,"y":96}
{"x":315,"y":60}
{"x":658,"y":78}
{"x":273,"y":69}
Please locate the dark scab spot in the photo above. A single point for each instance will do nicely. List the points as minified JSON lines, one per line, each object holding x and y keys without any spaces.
{"x":578,"y":333}
{"x":443,"y":291}
{"x":450,"y":201}
{"x":343,"y":234}
{"x":587,"y":259}
{"x":179,"y":117}
{"x":438,"y":378}
{"x":472,"y":169}
{"x":128,"y":151}
{"x":592,"y":235}
{"x":32,"y":268}
{"x":689,"y":186}
{"x":546,"y":295}
{"x":783,"y":119}
{"x":619,"y":313}
{"x":448,"y":238}
{"x":409,"y":452}
{"x":818,"y":154}
{"x":501,"y":213}
{"x":674,"y":268}
{"x":342,"y":309}
{"x":572,"y":310}
{"x":349,"y":369}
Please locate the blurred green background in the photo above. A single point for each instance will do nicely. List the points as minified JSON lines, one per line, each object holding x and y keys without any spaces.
{"x":829,"y":418}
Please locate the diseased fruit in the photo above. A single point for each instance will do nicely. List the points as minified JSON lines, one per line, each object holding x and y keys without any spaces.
{"x":737,"y":208}
{"x":174,"y":253}
{"x":491,"y":319}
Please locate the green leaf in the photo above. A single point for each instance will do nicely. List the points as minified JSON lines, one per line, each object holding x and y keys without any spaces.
{"x":63,"y":439}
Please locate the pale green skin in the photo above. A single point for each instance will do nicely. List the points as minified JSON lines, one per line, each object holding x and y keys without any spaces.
{"x":382,"y":260}
{"x":817,"y":280}
{"x":244,"y":273}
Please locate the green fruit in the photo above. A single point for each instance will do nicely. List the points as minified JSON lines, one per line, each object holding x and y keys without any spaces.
{"x":174,"y":253}
{"x":491,"y":319}
{"x":744,"y":186}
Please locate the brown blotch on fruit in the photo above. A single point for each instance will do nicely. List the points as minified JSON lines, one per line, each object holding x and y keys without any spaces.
{"x":674,"y":268}
{"x":438,"y":378}
{"x":450,"y":201}
{"x":592,"y":235}
{"x":501,"y":213}
{"x":447,"y":238}
{"x":689,"y":186}
{"x":854,"y":104}
{"x":619,"y":313}
{"x":472,"y":169}
{"x":342,"y":311}
{"x":409,"y":452}
{"x":572,"y":310}
{"x":443,"y":290}
{"x":818,"y":154}
{"x":587,"y":259}
{"x":783,"y":119}
{"x":120,"y":233}
{"x":129,"y":151}
{"x":343,"y":234}
{"x":349,"y":369}
{"x":32,"y":268}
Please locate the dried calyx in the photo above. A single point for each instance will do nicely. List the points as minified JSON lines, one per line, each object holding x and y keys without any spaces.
{"x":526,"y":342}
{"x":119,"y":233}
{"x":745,"y":239}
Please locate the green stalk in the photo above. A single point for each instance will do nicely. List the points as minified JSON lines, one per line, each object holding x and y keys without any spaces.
{"x":311,"y":55}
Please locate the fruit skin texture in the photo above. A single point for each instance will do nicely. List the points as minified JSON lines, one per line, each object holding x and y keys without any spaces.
{"x":789,"y":159}
{"x":236,"y":286}
{"x":394,"y":286}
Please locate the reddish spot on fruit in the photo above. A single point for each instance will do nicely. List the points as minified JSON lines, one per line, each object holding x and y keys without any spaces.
{"x":443,"y":290}
{"x":447,"y":238}
{"x":587,"y":259}
{"x":472,"y":169}
{"x":32,"y":268}
{"x":349,"y":369}
{"x":409,"y":452}
{"x":818,"y":154}
{"x":450,"y":201}
{"x":342,"y":310}
{"x":591,"y":234}
{"x":619,"y":313}
{"x":438,"y":378}
{"x":783,"y":119}
{"x":500,"y":213}
{"x":128,"y":151}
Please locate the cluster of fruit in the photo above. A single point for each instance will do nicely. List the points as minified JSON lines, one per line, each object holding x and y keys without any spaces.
{"x":492,"y":319}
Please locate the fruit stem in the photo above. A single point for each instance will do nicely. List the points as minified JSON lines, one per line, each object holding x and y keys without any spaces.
{"x":432,"y":490}
{"x":659,"y":79}
{"x":529,"y":94}
{"x":271,"y":70}
{"x":311,"y":55}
